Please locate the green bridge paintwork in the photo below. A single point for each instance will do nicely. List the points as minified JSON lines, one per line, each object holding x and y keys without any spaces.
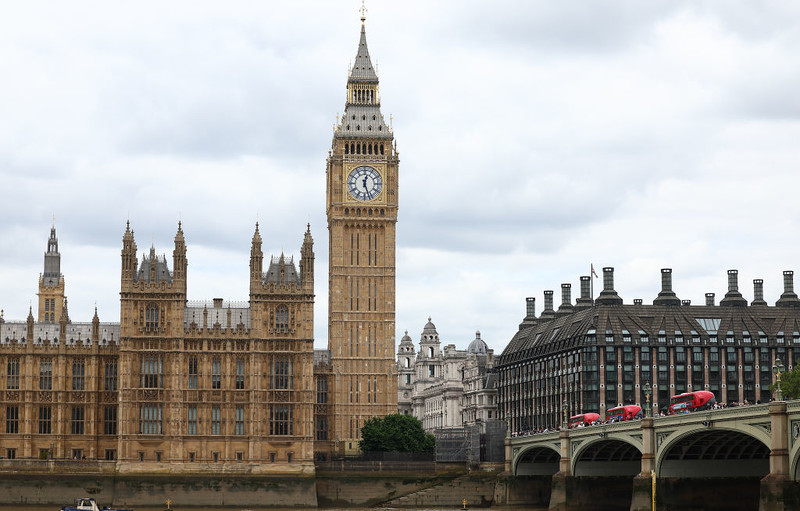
{"x":746,"y":441}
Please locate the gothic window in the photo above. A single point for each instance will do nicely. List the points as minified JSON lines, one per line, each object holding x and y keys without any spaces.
{"x":151,"y":372}
{"x":110,"y":379}
{"x":322,"y":428}
{"x":282,"y":319}
{"x":45,"y":417}
{"x":239,"y":373}
{"x":12,"y":419}
{"x":110,"y":420}
{"x":215,"y":420}
{"x":46,"y":374}
{"x":192,"y":372}
{"x":77,"y":420}
{"x":322,"y":391}
{"x":280,"y":420}
{"x":239,"y":426}
{"x":282,"y":373}
{"x":78,"y":374}
{"x":151,"y":317}
{"x":12,"y":380}
{"x":150,"y":419}
{"x":216,"y":373}
{"x":192,"y":421}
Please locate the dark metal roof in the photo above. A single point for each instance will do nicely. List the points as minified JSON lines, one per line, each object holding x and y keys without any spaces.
{"x":676,"y":325}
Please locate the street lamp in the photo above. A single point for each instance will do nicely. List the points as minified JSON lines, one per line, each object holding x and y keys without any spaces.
{"x":564,"y":408}
{"x":777,"y":369}
{"x":649,"y":410}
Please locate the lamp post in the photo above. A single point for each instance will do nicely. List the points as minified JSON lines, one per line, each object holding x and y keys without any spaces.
{"x":777,"y":369}
{"x":564,"y":408}
{"x":649,"y":410}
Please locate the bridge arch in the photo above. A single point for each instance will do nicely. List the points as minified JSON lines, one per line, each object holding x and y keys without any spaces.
{"x":609,"y":455}
{"x":696,"y":450}
{"x":537,"y":460}
{"x":794,"y":451}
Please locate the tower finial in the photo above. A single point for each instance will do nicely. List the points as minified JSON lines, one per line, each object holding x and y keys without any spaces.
{"x":363,"y":12}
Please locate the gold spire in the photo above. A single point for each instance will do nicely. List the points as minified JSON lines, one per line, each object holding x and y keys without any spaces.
{"x":363,"y":12}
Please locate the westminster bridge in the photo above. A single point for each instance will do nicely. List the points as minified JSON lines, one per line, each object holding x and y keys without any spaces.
{"x":756,"y":443}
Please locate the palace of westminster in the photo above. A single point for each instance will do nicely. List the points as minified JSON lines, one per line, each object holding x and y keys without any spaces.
{"x":212,"y":386}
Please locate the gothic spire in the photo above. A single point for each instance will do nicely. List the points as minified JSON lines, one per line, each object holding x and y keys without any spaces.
{"x":362,"y":114}
{"x":52,"y":261}
{"x":362,"y":70}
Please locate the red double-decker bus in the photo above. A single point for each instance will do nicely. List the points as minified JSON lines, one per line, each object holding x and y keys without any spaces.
{"x":624,"y":413}
{"x":691,"y":401}
{"x":585,"y":418}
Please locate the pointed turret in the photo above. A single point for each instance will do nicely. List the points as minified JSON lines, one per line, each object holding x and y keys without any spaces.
{"x":256,"y":262}
{"x":65,"y":313}
{"x":307,"y":260}
{"x":52,"y":261}
{"x":179,"y":263}
{"x":29,"y":333}
{"x":51,"y":282}
{"x":95,"y":327}
{"x":129,"y":259}
{"x":63,"y":321}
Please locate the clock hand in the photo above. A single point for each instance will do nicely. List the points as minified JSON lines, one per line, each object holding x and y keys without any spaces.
{"x":365,"y":184}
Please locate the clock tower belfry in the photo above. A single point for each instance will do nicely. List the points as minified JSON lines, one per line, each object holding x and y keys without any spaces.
{"x":362,"y":198}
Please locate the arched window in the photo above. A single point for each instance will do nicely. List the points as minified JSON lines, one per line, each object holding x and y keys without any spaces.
{"x":430,"y":352}
{"x":151,"y":317}
{"x":282,"y":319}
{"x":408,"y":362}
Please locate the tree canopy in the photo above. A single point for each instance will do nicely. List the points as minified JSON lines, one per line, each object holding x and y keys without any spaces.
{"x":790,"y":383}
{"x":395,"y":433}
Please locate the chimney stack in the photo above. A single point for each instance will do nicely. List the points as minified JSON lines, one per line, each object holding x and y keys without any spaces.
{"x":585,"y":301}
{"x":566,"y":299}
{"x":758,"y":293}
{"x":733,"y":298}
{"x":548,"y":313}
{"x":608,"y":296}
{"x":666,"y":296}
{"x":788,"y":298}
{"x":530,"y":313}
{"x":710,"y":299}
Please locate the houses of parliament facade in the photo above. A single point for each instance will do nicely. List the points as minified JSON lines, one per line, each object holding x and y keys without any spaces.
{"x":186,"y":386}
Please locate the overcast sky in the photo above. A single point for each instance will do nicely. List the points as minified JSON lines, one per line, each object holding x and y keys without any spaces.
{"x":535,"y":139}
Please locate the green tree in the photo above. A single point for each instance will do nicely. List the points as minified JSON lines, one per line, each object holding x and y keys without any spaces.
{"x":790,"y":384}
{"x":395,"y":433}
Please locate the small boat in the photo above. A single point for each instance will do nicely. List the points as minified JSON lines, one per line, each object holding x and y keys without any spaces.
{"x":89,"y":504}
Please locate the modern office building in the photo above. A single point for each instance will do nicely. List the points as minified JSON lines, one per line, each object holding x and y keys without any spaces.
{"x":592,"y":355}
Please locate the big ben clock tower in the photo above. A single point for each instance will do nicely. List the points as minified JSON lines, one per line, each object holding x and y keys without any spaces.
{"x":362,"y":212}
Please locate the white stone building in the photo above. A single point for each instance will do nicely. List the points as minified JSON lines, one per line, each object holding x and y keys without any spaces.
{"x":446,"y":388}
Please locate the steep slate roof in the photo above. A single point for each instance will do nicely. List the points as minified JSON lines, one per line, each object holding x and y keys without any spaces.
{"x":362,"y":70}
{"x":651,"y":320}
{"x":273,"y":274}
{"x":162,"y":270}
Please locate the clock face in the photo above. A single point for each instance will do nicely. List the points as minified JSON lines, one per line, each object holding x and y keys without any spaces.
{"x":364,"y":183}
